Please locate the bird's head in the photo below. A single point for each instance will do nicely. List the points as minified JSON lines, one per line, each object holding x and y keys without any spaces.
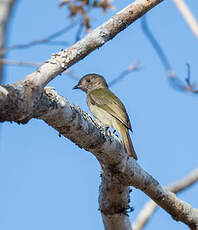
{"x":91,"y":82}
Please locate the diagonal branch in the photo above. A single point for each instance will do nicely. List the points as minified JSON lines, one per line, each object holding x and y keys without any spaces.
{"x":131,"y":68}
{"x":173,"y":79}
{"x":119,"y":170}
{"x":19,"y":63}
{"x":47,"y":39}
{"x":188,"y":16}
{"x":34,"y":83}
{"x":26,"y":99}
{"x":150,"y":207}
{"x":59,"y":62}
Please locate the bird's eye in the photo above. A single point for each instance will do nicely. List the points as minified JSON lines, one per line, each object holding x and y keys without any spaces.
{"x":88,"y":80}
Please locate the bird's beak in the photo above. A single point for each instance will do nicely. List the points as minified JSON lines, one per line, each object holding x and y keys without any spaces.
{"x":76,"y":87}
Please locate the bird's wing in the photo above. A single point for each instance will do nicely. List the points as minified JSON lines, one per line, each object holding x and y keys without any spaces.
{"x":110,"y":103}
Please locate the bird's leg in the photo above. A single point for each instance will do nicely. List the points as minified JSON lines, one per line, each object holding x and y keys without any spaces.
{"x":114,"y":132}
{"x":107,"y":131}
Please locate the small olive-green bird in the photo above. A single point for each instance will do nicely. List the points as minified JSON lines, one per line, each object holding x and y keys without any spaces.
{"x":107,"y":108}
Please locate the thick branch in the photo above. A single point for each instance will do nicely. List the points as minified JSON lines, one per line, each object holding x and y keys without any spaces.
{"x":73,"y":123}
{"x":59,"y":62}
{"x":150,"y":207}
{"x":77,"y":126}
{"x":114,"y":202}
{"x":25,"y":101}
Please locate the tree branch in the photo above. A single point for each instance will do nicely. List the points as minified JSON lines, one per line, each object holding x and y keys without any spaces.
{"x":131,"y":68}
{"x":46,"y":40}
{"x":19,"y":63}
{"x":26,"y":99}
{"x":34,"y":83}
{"x":119,"y":170}
{"x":5,"y":11}
{"x":173,"y":79}
{"x":188,"y":16}
{"x":150,"y":207}
{"x":59,"y":62}
{"x":114,"y":201}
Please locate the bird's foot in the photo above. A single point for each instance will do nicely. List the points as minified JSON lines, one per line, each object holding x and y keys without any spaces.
{"x":114,"y":132}
{"x":107,"y":131}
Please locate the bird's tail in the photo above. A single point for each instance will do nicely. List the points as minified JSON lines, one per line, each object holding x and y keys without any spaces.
{"x":128,"y":146}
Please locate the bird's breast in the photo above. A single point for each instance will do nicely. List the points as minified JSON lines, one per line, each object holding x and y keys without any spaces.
{"x":101,"y":115}
{"x":104,"y":117}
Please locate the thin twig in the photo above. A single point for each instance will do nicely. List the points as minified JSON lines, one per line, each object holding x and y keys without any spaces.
{"x":4,"y":61}
{"x":19,"y":63}
{"x":131,"y":68}
{"x":188,"y":15}
{"x":45,"y":40}
{"x":173,"y":79}
{"x":70,"y":73}
{"x":79,"y":32}
{"x":150,"y":207}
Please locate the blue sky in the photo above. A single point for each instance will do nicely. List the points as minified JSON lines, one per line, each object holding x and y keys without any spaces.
{"x":47,"y":182}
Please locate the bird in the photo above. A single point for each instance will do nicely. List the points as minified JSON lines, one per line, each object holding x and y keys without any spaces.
{"x":107,"y":108}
